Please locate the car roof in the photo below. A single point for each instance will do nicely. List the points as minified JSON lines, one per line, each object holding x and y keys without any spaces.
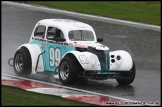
{"x":66,"y":24}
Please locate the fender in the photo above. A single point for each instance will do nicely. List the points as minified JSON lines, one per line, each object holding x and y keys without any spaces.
{"x":34,"y":52}
{"x":120,"y":61}
{"x":87,"y":60}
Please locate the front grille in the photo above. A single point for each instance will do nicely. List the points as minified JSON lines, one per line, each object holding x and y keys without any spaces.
{"x":100,"y":53}
{"x":103,"y":57}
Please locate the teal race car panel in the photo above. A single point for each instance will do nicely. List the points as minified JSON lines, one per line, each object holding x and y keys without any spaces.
{"x":53,"y":54}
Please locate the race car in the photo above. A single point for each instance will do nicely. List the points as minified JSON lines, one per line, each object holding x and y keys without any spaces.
{"x":71,"y":50}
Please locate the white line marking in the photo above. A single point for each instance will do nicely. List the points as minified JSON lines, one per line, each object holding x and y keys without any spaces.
{"x":66,"y":87}
{"x":92,"y":17}
{"x":59,"y":92}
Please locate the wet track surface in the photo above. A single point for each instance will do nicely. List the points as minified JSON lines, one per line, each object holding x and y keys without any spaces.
{"x":142,"y":44}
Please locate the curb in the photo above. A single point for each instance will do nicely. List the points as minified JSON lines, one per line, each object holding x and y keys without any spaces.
{"x":65,"y":93}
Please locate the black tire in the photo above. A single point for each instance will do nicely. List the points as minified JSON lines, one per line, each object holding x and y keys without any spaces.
{"x":131,"y":74}
{"x":22,"y":62}
{"x":69,"y":70}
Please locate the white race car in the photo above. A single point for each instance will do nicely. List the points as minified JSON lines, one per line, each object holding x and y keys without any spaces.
{"x":71,"y":50}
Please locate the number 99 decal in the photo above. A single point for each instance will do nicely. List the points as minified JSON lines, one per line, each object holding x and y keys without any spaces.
{"x":54,"y":56}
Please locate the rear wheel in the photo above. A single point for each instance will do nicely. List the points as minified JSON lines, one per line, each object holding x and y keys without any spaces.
{"x":69,"y":70}
{"x":22,"y":62}
{"x":127,"y":77}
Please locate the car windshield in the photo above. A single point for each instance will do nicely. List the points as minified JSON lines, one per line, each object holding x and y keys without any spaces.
{"x":81,"y":35}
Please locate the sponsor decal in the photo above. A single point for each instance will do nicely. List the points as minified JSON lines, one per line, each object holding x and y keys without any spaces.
{"x":42,"y":45}
{"x":77,"y":45}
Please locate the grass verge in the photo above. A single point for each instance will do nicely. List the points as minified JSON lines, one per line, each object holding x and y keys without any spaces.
{"x":12,"y":96}
{"x":139,"y":11}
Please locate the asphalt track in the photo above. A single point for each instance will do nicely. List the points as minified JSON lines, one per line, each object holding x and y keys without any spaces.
{"x":142,"y":43}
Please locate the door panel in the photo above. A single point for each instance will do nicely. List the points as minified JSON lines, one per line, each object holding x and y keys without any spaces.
{"x":53,"y":55}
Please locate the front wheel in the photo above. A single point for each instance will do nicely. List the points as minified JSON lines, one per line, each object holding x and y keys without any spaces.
{"x":22,"y":62}
{"x":69,"y":70}
{"x":128,"y":76}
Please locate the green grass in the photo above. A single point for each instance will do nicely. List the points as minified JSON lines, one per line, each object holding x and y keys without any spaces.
{"x":18,"y":97}
{"x":138,"y":11}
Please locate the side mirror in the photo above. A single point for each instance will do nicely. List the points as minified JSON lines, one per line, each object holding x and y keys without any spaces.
{"x":99,"y":39}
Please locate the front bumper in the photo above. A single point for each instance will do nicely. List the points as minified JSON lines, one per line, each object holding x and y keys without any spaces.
{"x":102,"y":75}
